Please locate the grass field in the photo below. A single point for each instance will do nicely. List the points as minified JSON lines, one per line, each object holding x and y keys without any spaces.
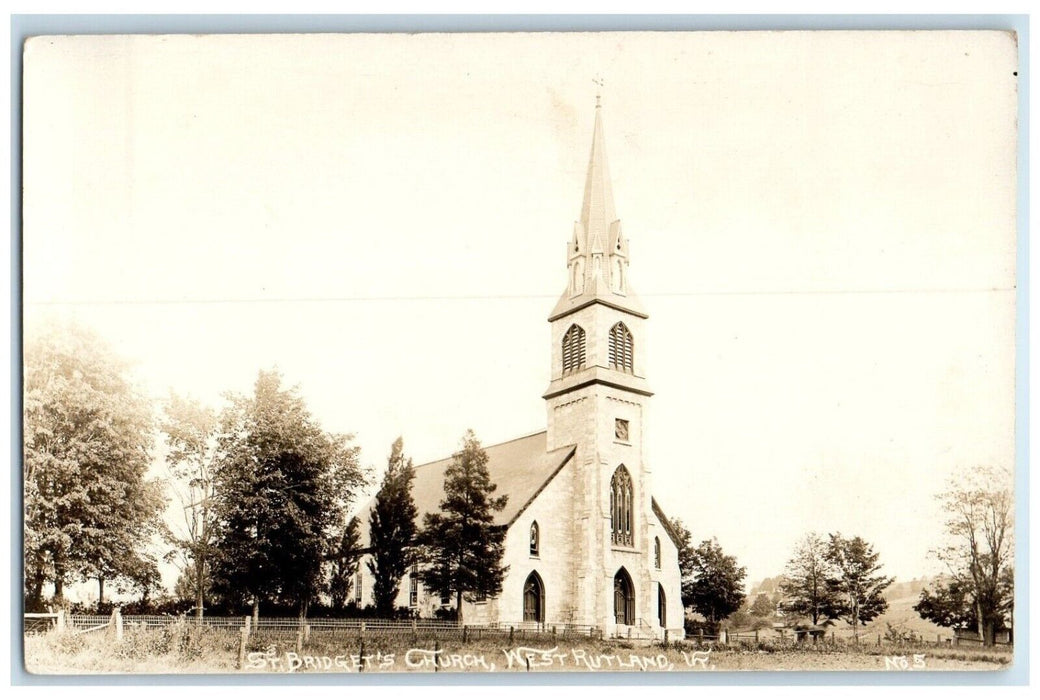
{"x":184,"y":649}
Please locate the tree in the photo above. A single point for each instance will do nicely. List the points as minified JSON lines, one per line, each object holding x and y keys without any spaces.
{"x":854,"y":579}
{"x":191,"y":439}
{"x":282,"y":488}
{"x":686,"y":560}
{"x":716,"y":589}
{"x":392,"y":530}
{"x":186,"y":585}
{"x":805,"y":586}
{"x":949,"y":604}
{"x":762,"y":607}
{"x":89,"y":510}
{"x":116,"y":547}
{"x":461,"y":546}
{"x":979,"y":556}
{"x":343,"y":564}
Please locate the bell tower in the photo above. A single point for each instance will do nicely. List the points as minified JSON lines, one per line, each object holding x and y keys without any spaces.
{"x":596,"y":400}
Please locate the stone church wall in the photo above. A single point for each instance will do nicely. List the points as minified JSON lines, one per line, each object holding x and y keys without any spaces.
{"x":555,"y":562}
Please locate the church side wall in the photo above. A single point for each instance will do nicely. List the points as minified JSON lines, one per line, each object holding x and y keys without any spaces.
{"x":554,"y":563}
{"x":669,"y":578}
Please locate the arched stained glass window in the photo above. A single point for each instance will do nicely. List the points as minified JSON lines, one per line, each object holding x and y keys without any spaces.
{"x":619,"y":348}
{"x":534,"y":539}
{"x":657,"y":552}
{"x":621,"y":521}
{"x":573,"y":349}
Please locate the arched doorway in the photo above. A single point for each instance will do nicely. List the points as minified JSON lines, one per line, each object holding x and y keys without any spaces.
{"x":534,"y":598}
{"x":624,"y":598}
{"x":662,"y":607}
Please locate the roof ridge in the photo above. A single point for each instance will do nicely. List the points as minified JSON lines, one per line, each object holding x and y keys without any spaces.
{"x":486,"y":447}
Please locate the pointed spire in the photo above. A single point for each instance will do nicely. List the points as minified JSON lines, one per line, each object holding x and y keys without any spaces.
{"x":597,"y":255}
{"x":597,"y":207}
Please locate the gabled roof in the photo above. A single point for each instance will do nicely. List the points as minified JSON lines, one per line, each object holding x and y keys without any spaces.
{"x":665,"y":522}
{"x":520,"y":469}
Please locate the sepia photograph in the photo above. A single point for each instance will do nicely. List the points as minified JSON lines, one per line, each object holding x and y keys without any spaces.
{"x":512,"y":353}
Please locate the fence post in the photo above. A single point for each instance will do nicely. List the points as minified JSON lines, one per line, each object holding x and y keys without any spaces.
{"x":242,"y":645}
{"x":59,"y":621}
{"x":436,"y":655}
{"x":415,"y":632}
{"x":464,"y":628}
{"x":117,"y":623}
{"x":510,"y":634}
{"x":554,"y":632}
{"x":666,"y":638}
{"x":879,"y":640}
{"x":756,"y":636}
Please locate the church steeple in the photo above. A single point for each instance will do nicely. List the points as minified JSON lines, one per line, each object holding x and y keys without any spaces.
{"x":598,"y":324}
{"x":597,"y":255}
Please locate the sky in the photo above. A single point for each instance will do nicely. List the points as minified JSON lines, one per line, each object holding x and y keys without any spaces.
{"x":821,"y":226}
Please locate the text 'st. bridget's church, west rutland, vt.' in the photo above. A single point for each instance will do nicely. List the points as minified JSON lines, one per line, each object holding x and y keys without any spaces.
{"x":586,"y":543}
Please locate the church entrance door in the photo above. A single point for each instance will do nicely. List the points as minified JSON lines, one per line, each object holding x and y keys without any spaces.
{"x":624,"y":598}
{"x":534,"y":599}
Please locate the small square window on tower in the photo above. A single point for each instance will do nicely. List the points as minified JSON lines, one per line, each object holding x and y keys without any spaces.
{"x":621,"y":429}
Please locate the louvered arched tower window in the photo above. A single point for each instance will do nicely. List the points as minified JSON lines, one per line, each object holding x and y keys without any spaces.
{"x":622,"y":525}
{"x":573,"y":349}
{"x":619,"y":348}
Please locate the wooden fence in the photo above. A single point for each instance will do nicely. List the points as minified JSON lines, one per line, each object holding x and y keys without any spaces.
{"x":326,"y":629}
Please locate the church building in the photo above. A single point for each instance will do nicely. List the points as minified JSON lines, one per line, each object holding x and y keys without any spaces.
{"x":586,"y":542}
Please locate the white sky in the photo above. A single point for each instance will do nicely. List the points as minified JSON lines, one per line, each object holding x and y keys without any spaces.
{"x":821,"y":227}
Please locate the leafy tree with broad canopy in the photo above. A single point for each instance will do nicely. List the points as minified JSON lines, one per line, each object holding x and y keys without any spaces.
{"x":392,"y":530}
{"x":461,"y":546}
{"x":979,"y":592}
{"x":855,"y":580}
{"x":90,"y":513}
{"x":806,"y":583}
{"x":282,"y":488}
{"x":763,"y":606}
{"x":715,"y":589}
